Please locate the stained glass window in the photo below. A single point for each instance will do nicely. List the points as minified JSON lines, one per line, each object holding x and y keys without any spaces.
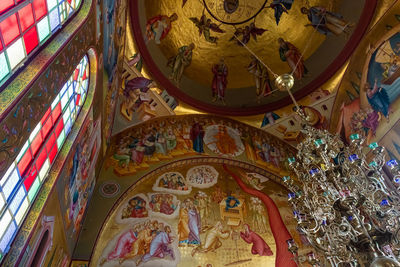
{"x":23,"y":179}
{"x":27,"y":24}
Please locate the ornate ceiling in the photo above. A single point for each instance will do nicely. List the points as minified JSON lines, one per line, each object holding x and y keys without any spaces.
{"x":323,"y":55}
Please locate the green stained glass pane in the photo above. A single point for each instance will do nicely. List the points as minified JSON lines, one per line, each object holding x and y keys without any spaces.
{"x":60,"y":139}
{"x":43,"y":29}
{"x":3,"y":66}
{"x":33,"y":190}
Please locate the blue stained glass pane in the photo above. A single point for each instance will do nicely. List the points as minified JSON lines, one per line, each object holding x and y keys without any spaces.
{"x":3,"y":66}
{"x":67,"y":126}
{"x":7,"y":238}
{"x":16,"y":202}
{"x":9,"y":186}
{"x":54,"y":19}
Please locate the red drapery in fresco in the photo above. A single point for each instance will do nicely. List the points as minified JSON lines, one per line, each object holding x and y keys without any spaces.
{"x":278,"y":228}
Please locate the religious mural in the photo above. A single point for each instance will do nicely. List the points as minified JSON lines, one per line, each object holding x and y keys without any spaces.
{"x":77,"y":180}
{"x":375,"y":108}
{"x":158,"y":140}
{"x":219,"y":222}
{"x":113,"y":47}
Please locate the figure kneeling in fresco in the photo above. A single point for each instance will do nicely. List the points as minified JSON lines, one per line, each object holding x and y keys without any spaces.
{"x":259,"y":247}
{"x":159,"y":246}
{"x":212,"y":242}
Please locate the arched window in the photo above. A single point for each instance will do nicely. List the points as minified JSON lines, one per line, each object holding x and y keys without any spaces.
{"x":21,"y":182}
{"x":25,"y":25}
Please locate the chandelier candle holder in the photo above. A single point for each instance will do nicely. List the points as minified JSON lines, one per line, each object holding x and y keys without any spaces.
{"x":342,"y":203}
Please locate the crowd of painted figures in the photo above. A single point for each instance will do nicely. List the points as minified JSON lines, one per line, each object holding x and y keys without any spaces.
{"x":200,"y":226}
{"x":158,"y":140}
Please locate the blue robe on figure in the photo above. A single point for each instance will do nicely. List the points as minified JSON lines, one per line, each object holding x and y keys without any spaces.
{"x":281,"y":6}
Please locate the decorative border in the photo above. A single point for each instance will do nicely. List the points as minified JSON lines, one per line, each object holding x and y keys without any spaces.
{"x":183,"y":162}
{"x":13,"y":257}
{"x":351,"y":45}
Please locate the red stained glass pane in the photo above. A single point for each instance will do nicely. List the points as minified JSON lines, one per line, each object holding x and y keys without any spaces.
{"x":59,"y":127}
{"x":1,"y":46}
{"x":45,"y":116}
{"x":76,"y":74}
{"x":36,"y":143}
{"x":47,"y":127}
{"x":9,"y":29}
{"x":84,"y":77}
{"x":78,"y":97}
{"x":31,"y":40}
{"x":26,"y":17}
{"x":5,"y":4}
{"x":53,"y":154}
{"x":24,"y":162}
{"x":30,"y":177}
{"x":41,"y":159}
{"x":39,"y":6}
{"x":56,"y":112}
{"x":51,"y":140}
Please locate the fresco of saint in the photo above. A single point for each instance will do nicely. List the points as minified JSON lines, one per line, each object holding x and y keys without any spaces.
{"x":197,"y":134}
{"x":261,"y":78}
{"x":189,"y":225}
{"x":326,"y":22}
{"x":179,"y":62}
{"x":220,"y":81}
{"x":159,"y":26}
{"x":289,"y":53}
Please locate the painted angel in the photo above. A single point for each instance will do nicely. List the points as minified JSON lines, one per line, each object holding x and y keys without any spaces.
{"x":246,"y":33}
{"x":281,"y":6}
{"x":205,"y":26}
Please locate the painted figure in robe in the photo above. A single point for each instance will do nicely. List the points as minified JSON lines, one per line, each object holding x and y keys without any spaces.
{"x":212,"y":240}
{"x":189,"y":224}
{"x":197,"y":134}
{"x":261,"y":78}
{"x":159,"y":26}
{"x":220,"y":81}
{"x":259,"y":247}
{"x":326,"y":22}
{"x":179,"y":62}
{"x":289,"y":53}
